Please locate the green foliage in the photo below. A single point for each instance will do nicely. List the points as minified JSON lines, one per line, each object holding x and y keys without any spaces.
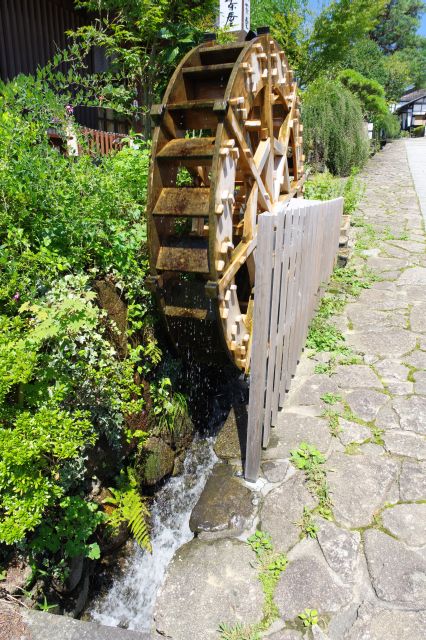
{"x":143,"y":41}
{"x":287,"y":21}
{"x":334,"y":132}
{"x":168,"y":407}
{"x":308,"y":459}
{"x":66,"y":223}
{"x":418,"y":132}
{"x":69,"y":530}
{"x":260,"y":543}
{"x":325,"y":186}
{"x":307,"y":524}
{"x":130,"y":508}
{"x":34,"y":450}
{"x":270,"y":565}
{"x":238,"y":631}
{"x":370,"y":92}
{"x":309,"y":617}
{"x":331,"y":398}
{"x":339,"y":26}
{"x":324,"y":336}
{"x":398,"y":25}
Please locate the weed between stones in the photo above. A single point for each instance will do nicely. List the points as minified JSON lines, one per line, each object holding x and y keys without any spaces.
{"x":345,"y":284}
{"x":270,"y":565}
{"x":309,"y":460}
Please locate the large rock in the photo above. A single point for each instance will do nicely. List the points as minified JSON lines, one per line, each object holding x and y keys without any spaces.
{"x":405,"y":444}
{"x":365,"y":403}
{"x":412,"y":481}
{"x":382,"y":300}
{"x":206,"y":584}
{"x":156,"y":461}
{"x":418,"y":318}
{"x":282,"y":509}
{"x":407,"y":522}
{"x":420,"y":382}
{"x":352,"y":432}
{"x":414,"y":276}
{"x":387,"y":418}
{"x":412,"y":413}
{"x":398,"y":574}
{"x":359,"y":486}
{"x":310,"y":392}
{"x":354,"y":376}
{"x":294,"y":428}
{"x":383,"y":343}
{"x":340,"y":548}
{"x":391,"y":370}
{"x":365,"y":318}
{"x":45,"y":626}
{"x":225,"y":507}
{"x":376,"y":623}
{"x":275,"y":471}
{"x":308,"y":582}
{"x":231,"y":439}
{"x":416,"y":359}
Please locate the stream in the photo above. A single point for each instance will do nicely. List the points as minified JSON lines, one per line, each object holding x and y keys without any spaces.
{"x":130,"y":601}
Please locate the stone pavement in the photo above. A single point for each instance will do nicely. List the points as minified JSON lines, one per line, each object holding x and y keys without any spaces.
{"x":365,"y":571}
{"x":416,"y":152}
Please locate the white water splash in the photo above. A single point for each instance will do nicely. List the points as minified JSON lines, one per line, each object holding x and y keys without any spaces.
{"x":131,"y":599}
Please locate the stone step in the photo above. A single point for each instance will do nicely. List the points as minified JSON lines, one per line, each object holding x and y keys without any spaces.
{"x":47,"y":626}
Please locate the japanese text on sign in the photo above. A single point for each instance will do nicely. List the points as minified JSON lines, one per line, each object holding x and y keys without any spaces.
{"x":235,"y":15}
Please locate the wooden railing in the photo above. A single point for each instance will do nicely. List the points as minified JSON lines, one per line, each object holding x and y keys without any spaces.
{"x":296,"y":253}
{"x":97,"y":142}
{"x":103,"y":142}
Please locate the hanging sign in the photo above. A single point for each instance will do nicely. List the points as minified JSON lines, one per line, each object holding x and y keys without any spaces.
{"x":234,"y":15}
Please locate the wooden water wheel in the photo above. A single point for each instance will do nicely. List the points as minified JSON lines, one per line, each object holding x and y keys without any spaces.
{"x":227,"y":146}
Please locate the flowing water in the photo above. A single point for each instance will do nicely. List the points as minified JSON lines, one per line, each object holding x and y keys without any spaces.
{"x":130,"y":601}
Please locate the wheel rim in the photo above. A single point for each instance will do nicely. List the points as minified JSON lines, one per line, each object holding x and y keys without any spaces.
{"x":247,"y":160}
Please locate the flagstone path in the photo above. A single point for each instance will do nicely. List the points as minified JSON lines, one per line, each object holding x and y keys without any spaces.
{"x":365,"y":572}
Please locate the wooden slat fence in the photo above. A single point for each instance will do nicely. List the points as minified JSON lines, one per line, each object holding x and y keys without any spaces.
{"x":103,"y":142}
{"x":296,"y":253}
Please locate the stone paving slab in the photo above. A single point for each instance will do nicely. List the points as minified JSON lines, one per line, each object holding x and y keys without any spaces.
{"x":365,"y":570}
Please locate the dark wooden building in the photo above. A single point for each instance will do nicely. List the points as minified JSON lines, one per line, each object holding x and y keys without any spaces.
{"x":411,"y":109}
{"x":32,"y":31}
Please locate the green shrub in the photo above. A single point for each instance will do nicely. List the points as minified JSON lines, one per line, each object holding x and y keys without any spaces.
{"x":334,"y":132}
{"x":64,"y":223}
{"x":325,"y":186}
{"x":370,"y":92}
{"x":418,"y":132}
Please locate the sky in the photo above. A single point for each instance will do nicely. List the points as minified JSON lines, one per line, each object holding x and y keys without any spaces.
{"x":315,"y":5}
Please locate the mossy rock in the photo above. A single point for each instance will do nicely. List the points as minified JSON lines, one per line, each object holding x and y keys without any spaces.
{"x":156,"y":462}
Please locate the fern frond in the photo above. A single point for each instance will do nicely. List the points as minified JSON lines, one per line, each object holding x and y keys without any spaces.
{"x":130,"y":507}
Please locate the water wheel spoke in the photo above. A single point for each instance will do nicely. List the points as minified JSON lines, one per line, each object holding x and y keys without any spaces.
{"x":247,"y":160}
{"x":203,"y":224}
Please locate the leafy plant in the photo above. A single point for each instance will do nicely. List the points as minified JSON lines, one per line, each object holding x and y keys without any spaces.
{"x":238,"y":631}
{"x":44,"y":606}
{"x":332,"y":417}
{"x":334,"y":136}
{"x":168,"y":407}
{"x":308,"y":459}
{"x":69,"y":529}
{"x":331,"y":398}
{"x":129,"y":508}
{"x":306,"y":456}
{"x":271,"y":565}
{"x":307,"y":524}
{"x":309,"y":617}
{"x":260,"y":542}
